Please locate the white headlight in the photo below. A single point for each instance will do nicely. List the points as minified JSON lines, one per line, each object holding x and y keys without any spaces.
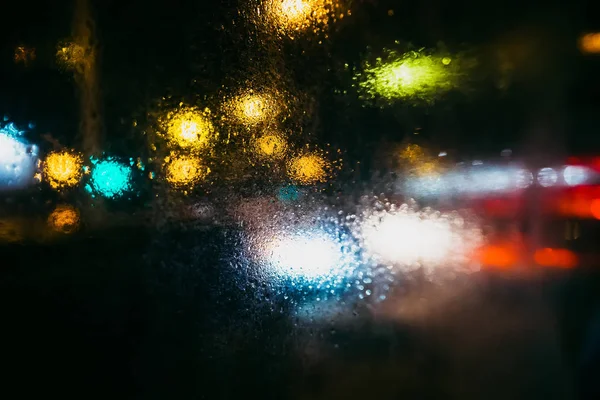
{"x":575,"y":175}
{"x":309,"y":254}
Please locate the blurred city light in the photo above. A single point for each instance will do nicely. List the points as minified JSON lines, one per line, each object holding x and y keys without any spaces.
{"x":63,"y":169}
{"x":408,"y":238}
{"x":70,"y":55}
{"x":559,"y":258}
{"x":310,"y":254}
{"x":189,"y":128}
{"x":253,"y":108}
{"x":309,"y":169}
{"x":185,"y":171}
{"x":594,"y":208}
{"x":291,"y":16}
{"x":272,"y":145}
{"x":475,"y":180}
{"x":547,"y":177}
{"x":110,"y":178}
{"x":590,"y":43}
{"x":18,"y":159}
{"x":498,"y":256}
{"x":64,"y":219}
{"x":412,"y":75}
{"x":576,"y":175}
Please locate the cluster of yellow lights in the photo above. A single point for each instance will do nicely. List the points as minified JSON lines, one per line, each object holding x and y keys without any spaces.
{"x":309,"y":169}
{"x":185,"y":171}
{"x":590,"y":43}
{"x":189,"y":128}
{"x":271,"y":145}
{"x":70,"y":55}
{"x":289,"y":16}
{"x":64,"y":219}
{"x":63,"y":169}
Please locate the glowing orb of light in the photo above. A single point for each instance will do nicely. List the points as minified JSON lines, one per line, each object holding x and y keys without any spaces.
{"x":590,"y":43}
{"x":575,"y":175}
{"x":408,"y":238}
{"x":290,"y":16}
{"x":271,"y":146}
{"x":18,"y":159}
{"x":412,"y":75}
{"x":305,"y":254}
{"x":547,"y":177}
{"x":252,"y":109}
{"x":63,"y":169}
{"x":295,"y":10}
{"x":64,"y":219}
{"x":110,"y":178}
{"x":308,"y":169}
{"x":70,"y":55}
{"x":185,"y":171}
{"x":255,"y":107}
{"x":189,"y":128}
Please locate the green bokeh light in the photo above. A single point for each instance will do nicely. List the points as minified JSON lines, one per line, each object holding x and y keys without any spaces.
{"x":409,"y":76}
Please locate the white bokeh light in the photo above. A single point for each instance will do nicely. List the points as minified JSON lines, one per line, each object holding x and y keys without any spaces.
{"x":575,"y":175}
{"x":18,"y":162}
{"x":407,"y":239}
{"x":547,"y":177}
{"x":305,"y":254}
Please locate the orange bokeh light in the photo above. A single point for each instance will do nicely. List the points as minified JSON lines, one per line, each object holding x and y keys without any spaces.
{"x":498,"y":256}
{"x":590,"y":43}
{"x":595,"y":208}
{"x":561,"y":258}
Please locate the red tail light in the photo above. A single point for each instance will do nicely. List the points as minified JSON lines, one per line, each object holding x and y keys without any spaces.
{"x":560,"y":258}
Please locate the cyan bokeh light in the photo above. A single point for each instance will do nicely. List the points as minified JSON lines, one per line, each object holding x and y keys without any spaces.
{"x":110,"y":178}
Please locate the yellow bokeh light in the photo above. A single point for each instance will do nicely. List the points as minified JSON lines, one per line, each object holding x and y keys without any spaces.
{"x":184,"y":171}
{"x":295,"y":10}
{"x":271,"y":146}
{"x":309,"y":169}
{"x":289,"y":16}
{"x":63,"y":169}
{"x":189,"y":128}
{"x":590,"y":43}
{"x":70,"y":55}
{"x":64,"y":219}
{"x":252,"y":108}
